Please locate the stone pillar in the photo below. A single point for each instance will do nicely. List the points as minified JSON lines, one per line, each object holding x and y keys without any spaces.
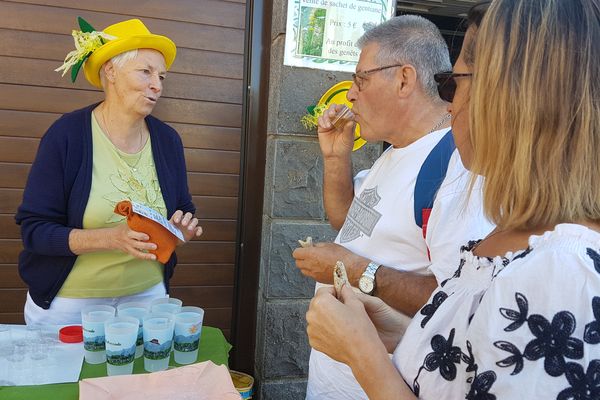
{"x":293,"y":209}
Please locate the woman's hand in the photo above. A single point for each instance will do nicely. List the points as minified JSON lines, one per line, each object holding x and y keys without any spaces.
{"x":121,"y":237}
{"x":187,"y":224}
{"x":342,"y":329}
{"x":390,"y":324}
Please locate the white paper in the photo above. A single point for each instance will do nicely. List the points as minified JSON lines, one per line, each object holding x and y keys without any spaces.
{"x":322,"y":34}
{"x":156,"y":217}
{"x":62,"y":364}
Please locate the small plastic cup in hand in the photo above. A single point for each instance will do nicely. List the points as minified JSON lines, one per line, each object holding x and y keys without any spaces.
{"x":158,"y":339}
{"x":92,"y":319}
{"x":139,"y":311}
{"x":188,"y":327}
{"x":121,"y":335}
{"x":166,"y":304}
{"x":342,"y":117}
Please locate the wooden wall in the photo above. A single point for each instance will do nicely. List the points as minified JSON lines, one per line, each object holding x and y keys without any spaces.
{"x":202,"y":100}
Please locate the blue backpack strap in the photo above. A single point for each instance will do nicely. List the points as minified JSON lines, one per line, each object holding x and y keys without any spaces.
{"x":432,"y":173}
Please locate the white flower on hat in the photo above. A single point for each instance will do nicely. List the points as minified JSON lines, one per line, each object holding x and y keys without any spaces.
{"x":85,"y":44}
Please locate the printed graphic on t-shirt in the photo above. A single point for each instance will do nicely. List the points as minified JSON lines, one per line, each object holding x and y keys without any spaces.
{"x":362,"y":217}
{"x":141,"y":186}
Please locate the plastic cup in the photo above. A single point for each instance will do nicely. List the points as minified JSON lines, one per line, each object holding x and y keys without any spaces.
{"x":20,"y":336}
{"x":342,"y":117}
{"x":166,"y":305}
{"x":19,"y":352}
{"x":139,"y":311}
{"x":158,"y":339}
{"x":6,"y":345}
{"x":70,"y":334}
{"x":188,"y":327}
{"x":169,"y":305}
{"x":49,"y":340}
{"x":92,"y":319}
{"x":37,"y":350}
{"x":34,"y":332}
{"x":121,"y":335}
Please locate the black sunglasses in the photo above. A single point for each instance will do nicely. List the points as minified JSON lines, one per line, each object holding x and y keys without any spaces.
{"x":446,"y":84}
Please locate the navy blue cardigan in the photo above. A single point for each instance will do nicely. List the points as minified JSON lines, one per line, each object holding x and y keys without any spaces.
{"x":57,"y":193}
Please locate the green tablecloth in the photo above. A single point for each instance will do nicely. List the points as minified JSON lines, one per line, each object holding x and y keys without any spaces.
{"x":213,"y":346}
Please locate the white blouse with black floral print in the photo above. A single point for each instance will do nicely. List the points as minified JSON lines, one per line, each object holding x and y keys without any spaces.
{"x":523,"y":326}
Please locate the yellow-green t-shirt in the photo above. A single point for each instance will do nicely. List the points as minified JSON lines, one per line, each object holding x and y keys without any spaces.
{"x":116,"y":176}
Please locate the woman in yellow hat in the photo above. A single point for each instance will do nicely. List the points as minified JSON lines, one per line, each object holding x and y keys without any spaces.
{"x":77,"y":251}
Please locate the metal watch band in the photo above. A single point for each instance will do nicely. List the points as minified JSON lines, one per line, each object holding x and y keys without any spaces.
{"x":371,"y":269}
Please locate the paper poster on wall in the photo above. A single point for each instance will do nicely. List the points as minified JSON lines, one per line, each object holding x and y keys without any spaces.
{"x":322,"y":33}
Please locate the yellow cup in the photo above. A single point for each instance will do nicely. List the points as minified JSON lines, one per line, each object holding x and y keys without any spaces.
{"x":243,"y":383}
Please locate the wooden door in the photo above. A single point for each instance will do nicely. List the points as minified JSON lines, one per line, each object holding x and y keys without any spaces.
{"x":202,"y":100}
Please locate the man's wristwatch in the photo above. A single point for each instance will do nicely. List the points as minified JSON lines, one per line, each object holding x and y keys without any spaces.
{"x":366,"y":283}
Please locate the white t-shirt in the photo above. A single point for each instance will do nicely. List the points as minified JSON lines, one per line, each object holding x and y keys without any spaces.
{"x":522,"y":326}
{"x":381,"y":226}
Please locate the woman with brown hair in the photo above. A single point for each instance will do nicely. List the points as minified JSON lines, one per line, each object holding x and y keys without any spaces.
{"x":520,"y":318}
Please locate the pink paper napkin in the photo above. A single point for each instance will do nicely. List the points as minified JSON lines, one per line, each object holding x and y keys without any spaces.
{"x":202,"y":381}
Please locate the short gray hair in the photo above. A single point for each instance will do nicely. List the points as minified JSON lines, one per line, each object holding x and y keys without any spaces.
{"x":414,"y":40}
{"x":118,"y":61}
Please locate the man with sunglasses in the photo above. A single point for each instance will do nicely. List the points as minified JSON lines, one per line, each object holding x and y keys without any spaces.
{"x":392,"y":247}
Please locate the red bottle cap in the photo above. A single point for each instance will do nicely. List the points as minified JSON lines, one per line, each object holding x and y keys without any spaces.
{"x":71,"y":334}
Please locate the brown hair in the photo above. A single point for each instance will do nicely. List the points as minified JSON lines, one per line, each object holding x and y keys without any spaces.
{"x":474,"y":18}
{"x":535,"y":112}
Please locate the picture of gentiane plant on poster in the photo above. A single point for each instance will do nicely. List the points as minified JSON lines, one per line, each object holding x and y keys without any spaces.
{"x":322,"y":33}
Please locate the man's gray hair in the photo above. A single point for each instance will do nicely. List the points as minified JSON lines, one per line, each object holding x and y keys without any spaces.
{"x":414,"y":40}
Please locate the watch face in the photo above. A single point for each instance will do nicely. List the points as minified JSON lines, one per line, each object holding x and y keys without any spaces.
{"x":365,"y":284}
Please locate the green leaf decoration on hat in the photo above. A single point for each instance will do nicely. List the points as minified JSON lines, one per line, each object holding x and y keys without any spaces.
{"x":87,"y":40}
{"x":85,"y":27}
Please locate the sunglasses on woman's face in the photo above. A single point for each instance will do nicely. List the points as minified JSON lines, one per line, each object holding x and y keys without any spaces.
{"x":446,"y":84}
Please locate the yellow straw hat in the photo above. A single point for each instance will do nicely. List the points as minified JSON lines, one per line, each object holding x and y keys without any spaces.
{"x":94,"y":48}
